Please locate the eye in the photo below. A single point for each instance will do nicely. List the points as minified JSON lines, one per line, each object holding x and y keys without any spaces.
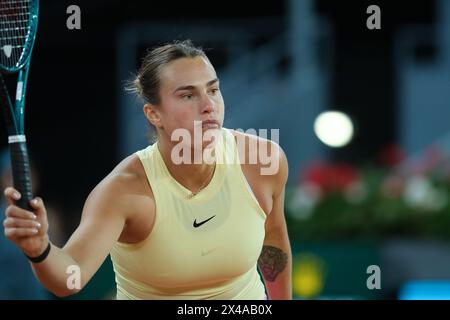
{"x":214,"y":90}
{"x":187,"y":96}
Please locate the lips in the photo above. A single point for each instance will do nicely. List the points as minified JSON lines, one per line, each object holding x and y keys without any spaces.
{"x":210,"y":124}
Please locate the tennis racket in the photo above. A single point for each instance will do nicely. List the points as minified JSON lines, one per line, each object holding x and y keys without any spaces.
{"x":18,"y":26}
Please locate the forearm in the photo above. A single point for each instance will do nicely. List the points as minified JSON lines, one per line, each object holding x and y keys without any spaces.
{"x":53,"y":272}
{"x":275,"y":263}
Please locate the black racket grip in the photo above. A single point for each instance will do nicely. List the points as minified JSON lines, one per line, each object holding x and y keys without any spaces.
{"x":21,"y":173}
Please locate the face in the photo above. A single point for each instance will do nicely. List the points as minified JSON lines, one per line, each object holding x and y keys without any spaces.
{"x":189,"y":91}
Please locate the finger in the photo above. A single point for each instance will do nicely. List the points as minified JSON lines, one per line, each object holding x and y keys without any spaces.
{"x":11,"y":195}
{"x":12,"y":233}
{"x":20,"y":223}
{"x":38,"y":206}
{"x":16,"y":212}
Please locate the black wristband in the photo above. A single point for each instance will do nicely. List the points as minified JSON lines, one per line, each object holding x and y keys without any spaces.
{"x":42,"y":256}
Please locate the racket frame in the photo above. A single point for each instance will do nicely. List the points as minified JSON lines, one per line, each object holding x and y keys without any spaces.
{"x":14,"y":116}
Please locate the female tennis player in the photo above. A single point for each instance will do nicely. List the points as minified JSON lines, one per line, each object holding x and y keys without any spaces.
{"x":174,"y":229}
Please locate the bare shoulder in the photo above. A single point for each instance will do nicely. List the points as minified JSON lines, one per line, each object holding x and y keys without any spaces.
{"x":129,"y":176}
{"x":264,"y":158}
{"x":121,"y":189}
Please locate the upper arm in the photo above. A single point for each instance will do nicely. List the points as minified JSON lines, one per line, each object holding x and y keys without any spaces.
{"x":270,"y":174}
{"x":103,"y":219}
{"x":276,"y":220}
{"x":276,"y":255}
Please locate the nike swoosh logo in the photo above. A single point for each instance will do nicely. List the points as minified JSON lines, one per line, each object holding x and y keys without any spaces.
{"x":196,"y":225}
{"x":204,"y":253}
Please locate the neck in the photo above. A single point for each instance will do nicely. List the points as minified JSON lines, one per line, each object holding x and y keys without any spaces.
{"x":190,"y":175}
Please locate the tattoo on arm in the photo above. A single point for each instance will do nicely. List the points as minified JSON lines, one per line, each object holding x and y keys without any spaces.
{"x":271,"y":262}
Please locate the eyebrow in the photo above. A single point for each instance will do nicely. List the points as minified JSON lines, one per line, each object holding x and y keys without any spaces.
{"x":190,"y":87}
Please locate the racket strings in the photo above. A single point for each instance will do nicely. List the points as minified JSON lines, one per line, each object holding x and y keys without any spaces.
{"x":14,"y":30}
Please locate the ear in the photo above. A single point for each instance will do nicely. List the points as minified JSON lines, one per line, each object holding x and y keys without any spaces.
{"x":152,"y":114}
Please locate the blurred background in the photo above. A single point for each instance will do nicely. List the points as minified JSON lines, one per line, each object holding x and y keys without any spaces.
{"x":364,"y":118}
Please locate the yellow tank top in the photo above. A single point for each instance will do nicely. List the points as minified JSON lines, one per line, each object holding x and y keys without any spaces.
{"x":204,"y":247}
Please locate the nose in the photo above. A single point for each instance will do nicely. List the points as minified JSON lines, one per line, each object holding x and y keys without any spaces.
{"x":207,"y":104}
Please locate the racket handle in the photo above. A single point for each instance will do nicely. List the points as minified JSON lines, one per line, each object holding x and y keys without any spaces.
{"x":21,"y":170}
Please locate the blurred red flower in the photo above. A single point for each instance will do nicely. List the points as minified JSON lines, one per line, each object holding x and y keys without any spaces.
{"x":336,"y":177}
{"x":391,"y":155}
